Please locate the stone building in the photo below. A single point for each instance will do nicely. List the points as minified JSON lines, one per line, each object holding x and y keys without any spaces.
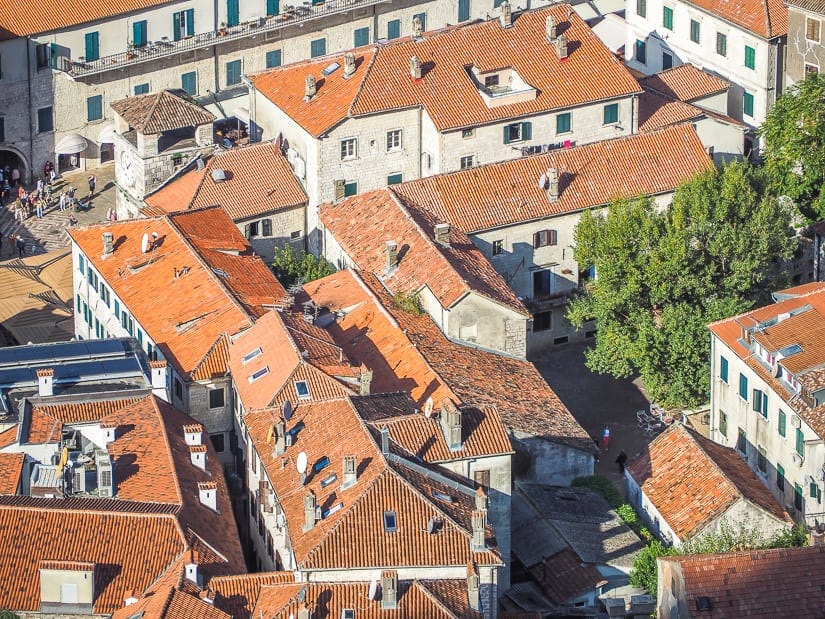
{"x":805,"y":52}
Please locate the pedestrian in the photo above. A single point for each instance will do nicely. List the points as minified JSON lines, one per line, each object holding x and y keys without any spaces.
{"x":40,"y":184}
{"x":62,"y":200}
{"x":92,"y":182}
{"x":72,"y":220}
{"x":21,"y":247}
{"x":598,"y":451}
{"x":40,"y":209}
{"x":620,"y":460}
{"x":52,"y":176}
{"x":606,"y":437}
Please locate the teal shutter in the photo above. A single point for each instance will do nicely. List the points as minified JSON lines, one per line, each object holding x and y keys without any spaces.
{"x":272,"y":7}
{"x":362,"y":37}
{"x":176,"y":26}
{"x":394,"y":179}
{"x":94,"y":108}
{"x":463,"y":10}
{"x":92,"y":46}
{"x":233,"y":13}
{"x":53,"y":55}
{"x":507,"y":134}
{"x":189,"y":82}
{"x":394,"y":29}
{"x":526,"y":131}
{"x":273,"y":58}
{"x":139,"y":33}
{"x":190,"y":22}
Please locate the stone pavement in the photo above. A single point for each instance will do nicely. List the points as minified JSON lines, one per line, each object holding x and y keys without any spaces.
{"x":49,"y":233}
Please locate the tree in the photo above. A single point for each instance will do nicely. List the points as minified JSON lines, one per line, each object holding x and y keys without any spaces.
{"x":662,"y":276}
{"x":794,"y":153}
{"x":292,"y":267}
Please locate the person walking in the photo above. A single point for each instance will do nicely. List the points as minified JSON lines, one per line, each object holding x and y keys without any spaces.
{"x":63,"y":200}
{"x":620,"y":460}
{"x":92,"y":183}
{"x":21,"y":247}
{"x":606,"y":437}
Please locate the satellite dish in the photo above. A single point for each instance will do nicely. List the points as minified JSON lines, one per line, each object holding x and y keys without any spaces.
{"x":287,"y":410}
{"x":428,"y":408}
{"x":301,"y":462}
{"x":373,"y":589}
{"x":542,"y":181}
{"x":144,"y":243}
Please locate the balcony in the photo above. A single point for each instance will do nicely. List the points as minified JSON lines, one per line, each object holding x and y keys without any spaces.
{"x":289,"y":16}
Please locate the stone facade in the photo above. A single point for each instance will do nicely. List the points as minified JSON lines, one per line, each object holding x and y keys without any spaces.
{"x":806,"y":53}
{"x":552,"y":463}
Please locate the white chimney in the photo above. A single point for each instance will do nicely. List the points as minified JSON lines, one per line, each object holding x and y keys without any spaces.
{"x":389,"y":590}
{"x":349,"y":64}
{"x":550,"y":29}
{"x":451,"y":424}
{"x":109,"y":431}
{"x":45,"y":382}
{"x":506,"y":17}
{"x":279,"y":431}
{"x":482,"y":500}
{"x":561,"y":47}
{"x":193,"y":434}
{"x":108,"y":244}
{"x":191,"y":569}
{"x":391,"y":256}
{"x":309,"y":88}
{"x":303,"y":611}
{"x":130,"y":598}
{"x":208,"y":494}
{"x":417,"y":28}
{"x":309,"y":511}
{"x":415,"y":68}
{"x":442,"y":234}
{"x":365,"y":381}
{"x":197,"y":453}
{"x":350,"y":473}
{"x":385,"y":440}
{"x":479,"y":520}
{"x":552,"y":184}
{"x":159,"y":375}
{"x":473,"y":588}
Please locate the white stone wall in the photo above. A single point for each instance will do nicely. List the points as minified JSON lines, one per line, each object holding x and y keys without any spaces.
{"x":552,"y":463}
{"x":285,"y":223}
{"x":478,"y":320}
{"x":726,"y":139}
{"x":745,"y":515}
{"x":647,"y":510}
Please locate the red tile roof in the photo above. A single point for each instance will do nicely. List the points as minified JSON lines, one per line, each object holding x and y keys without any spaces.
{"x":11,"y":469}
{"x":259,"y":181}
{"x":9,"y":436}
{"x":759,"y":584}
{"x":692,"y":481}
{"x":563,"y":576}
{"x":382,"y":81}
{"x":591,"y":175}
{"x":766,"y":18}
{"x":657,"y":111}
{"x":157,"y":112}
{"x":685,"y":83}
{"x":363,"y":224}
{"x":215,"y":363}
{"x":237,"y":595}
{"x":47,"y":419}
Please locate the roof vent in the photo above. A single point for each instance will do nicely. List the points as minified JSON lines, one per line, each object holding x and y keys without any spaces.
{"x":451,"y":424}
{"x":130,"y":598}
{"x":417,"y":27}
{"x":309,"y":511}
{"x":442,"y":234}
{"x":365,"y":381}
{"x":108,"y":244}
{"x":479,"y":520}
{"x":703,"y":603}
{"x":197,"y":454}
{"x":473,"y":588}
{"x":350,"y":472}
{"x":309,"y":88}
{"x":561,"y":47}
{"x":415,"y":68}
{"x":349,"y":64}
{"x":506,"y":17}
{"x":389,"y":590}
{"x":218,"y":175}
{"x":208,"y":494}
{"x":385,"y":440}
{"x":192,"y":571}
{"x":553,"y":184}
{"x":45,"y":382}
{"x":391,"y":257}
{"x":550,"y":29}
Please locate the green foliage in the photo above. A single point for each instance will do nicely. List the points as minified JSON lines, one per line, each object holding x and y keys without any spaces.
{"x":795,"y":537}
{"x":292,"y":267}
{"x":661,"y":277}
{"x":408,"y":301}
{"x":601,"y":485}
{"x":726,"y":539}
{"x":645,"y":569}
{"x":7,"y":614}
{"x":794,"y":153}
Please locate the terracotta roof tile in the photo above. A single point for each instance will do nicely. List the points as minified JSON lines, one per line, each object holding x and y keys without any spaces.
{"x":11,"y":469}
{"x":657,"y":111}
{"x":157,"y":112}
{"x":591,"y":175}
{"x":259,"y":181}
{"x":47,"y":419}
{"x":692,"y":481}
{"x":9,"y":436}
{"x":363,"y":224}
{"x":766,"y":18}
{"x":759,"y":584}
{"x":237,"y":595}
{"x":685,"y":83}
{"x":215,"y":363}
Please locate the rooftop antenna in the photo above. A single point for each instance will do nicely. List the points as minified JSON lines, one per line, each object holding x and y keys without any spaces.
{"x":301,"y":465}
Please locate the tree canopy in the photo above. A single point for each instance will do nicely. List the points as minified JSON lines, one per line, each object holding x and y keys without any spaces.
{"x":663,"y":275}
{"x":794,"y":153}
{"x":291,"y":267}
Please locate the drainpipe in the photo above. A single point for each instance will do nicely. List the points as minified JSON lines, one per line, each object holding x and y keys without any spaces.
{"x":29,"y":83}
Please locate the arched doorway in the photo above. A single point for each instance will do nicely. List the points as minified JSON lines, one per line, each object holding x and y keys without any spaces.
{"x":13,"y":160}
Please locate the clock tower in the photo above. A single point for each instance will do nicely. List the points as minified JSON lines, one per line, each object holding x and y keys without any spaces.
{"x":155,"y":135}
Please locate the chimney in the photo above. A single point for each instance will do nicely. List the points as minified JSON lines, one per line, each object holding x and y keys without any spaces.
{"x":473,"y":588}
{"x":415,"y":68}
{"x":442,"y":234}
{"x":208,"y":494}
{"x":303,"y":611}
{"x":108,"y":244}
{"x":479,"y":524}
{"x":389,"y":590}
{"x":208,"y":596}
{"x":350,"y":473}
{"x":366,"y":381}
{"x":482,"y":500}
{"x":392,"y":256}
{"x":280,"y":437}
{"x":561,"y":47}
{"x":349,"y":64}
{"x":309,"y":511}
{"x":197,"y":453}
{"x":159,"y":375}
{"x":506,"y":17}
{"x":451,"y":424}
{"x":130,"y":598}
{"x":192,"y":571}
{"x":45,"y":382}
{"x":552,"y":184}
{"x":550,"y":29}
{"x":109,"y":430}
{"x":309,"y":88}
{"x":418,"y":30}
{"x":193,"y":434}
{"x":385,"y":440}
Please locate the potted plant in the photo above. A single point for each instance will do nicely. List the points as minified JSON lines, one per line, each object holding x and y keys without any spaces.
{"x":130,"y":50}
{"x":222,"y":32}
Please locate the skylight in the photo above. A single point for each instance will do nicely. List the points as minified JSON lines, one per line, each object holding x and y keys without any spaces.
{"x":251,"y":355}
{"x":302,"y":389}
{"x":441,"y":496}
{"x":790,"y":350}
{"x":390,"y":522}
{"x":258,"y":374}
{"x":320,"y":465}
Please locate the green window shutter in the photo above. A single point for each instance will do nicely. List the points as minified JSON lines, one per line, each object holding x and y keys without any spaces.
{"x":117,"y":308}
{"x":233,"y":13}
{"x":765,"y":404}
{"x":667,"y":17}
{"x":81,"y":264}
{"x":361,"y":37}
{"x":92,"y":46}
{"x":394,"y":29}
{"x":273,"y":7}
{"x":563,"y":123}
{"x":611,"y":113}
{"x":141,"y":89}
{"x":190,"y":22}
{"x":318,"y":47}
{"x":139,"y":33}
{"x":176,"y":17}
{"x":750,"y":57}
{"x":350,"y":189}
{"x":723,"y":369}
{"x":756,"y":404}
{"x":641,"y":8}
{"x":526,"y":131}
{"x":53,"y":55}
{"x":721,"y":44}
{"x":394,"y":179}
{"x":747,"y":104}
{"x":695,"y":32}
{"x":743,"y":386}
{"x":780,"y":477}
{"x":94,"y":108}
{"x":233,"y":73}
{"x":782,"y":425}
{"x":273,"y":59}
{"x":507,"y":134}
{"x":463,"y":10}
{"x":800,"y":442}
{"x":189,"y":83}
{"x":641,"y":51}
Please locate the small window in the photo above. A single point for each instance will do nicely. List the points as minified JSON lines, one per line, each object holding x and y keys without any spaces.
{"x":563,"y":123}
{"x":761,"y":461}
{"x":641,"y":8}
{"x":441,"y":496}
{"x":543,"y":321}
{"x":233,"y":73}
{"x":216,"y":398}
{"x":348,"y":148}
{"x":544,"y":238}
{"x":361,"y":36}
{"x":490,"y":81}
{"x":390,"y":522}
{"x":320,"y":465}
{"x":189,"y":83}
{"x":498,"y":247}
{"x":723,"y":369}
{"x":259,"y":374}
{"x":217,"y":442}
{"x":467,"y":161}
{"x":811,"y":68}
{"x":273,"y":58}
{"x":250,"y":356}
{"x":695,"y":31}
{"x":800,"y":442}
{"x":750,"y":57}
{"x":611,"y":114}
{"x":302,"y":389}
{"x":394,"y":140}
{"x":44,"y":56}
{"x":640,"y":52}
{"x":723,"y":423}
{"x":94,"y":108}
{"x":394,"y":179}
{"x":468,"y":133}
{"x":812,"y":29}
{"x":782,"y":424}
{"x":721,"y":44}
{"x":295,"y":235}
{"x":92,"y":46}
{"x":667,"y":17}
{"x":350,"y":189}
{"x":266,"y":227}
{"x":742,"y":442}
{"x":798,"y":501}
{"x":518,"y":132}
{"x":318,"y":47}
{"x":45,"y":120}
{"x":780,"y":477}
{"x":743,"y":387}
{"x":142,"y":89}
{"x":422,"y":17}
{"x":667,"y":61}
{"x":482,"y":477}
{"x":393,"y":29}
{"x":178,"y":389}
{"x":747,"y":104}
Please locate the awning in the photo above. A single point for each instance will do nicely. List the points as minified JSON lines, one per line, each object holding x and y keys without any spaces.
{"x":71,"y":144}
{"x":107,"y":134}
{"x":242,"y":114}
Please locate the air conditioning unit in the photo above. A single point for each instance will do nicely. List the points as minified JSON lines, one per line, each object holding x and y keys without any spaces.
{"x":796,"y":421}
{"x":79,"y":479}
{"x":105,"y":476}
{"x":340,"y":189}
{"x":797,"y":459}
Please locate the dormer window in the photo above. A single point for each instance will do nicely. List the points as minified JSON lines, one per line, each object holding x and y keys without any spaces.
{"x":500,"y":86}
{"x":251,"y":355}
{"x":491,"y":81}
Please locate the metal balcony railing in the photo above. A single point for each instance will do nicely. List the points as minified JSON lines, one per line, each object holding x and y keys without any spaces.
{"x":289,"y":16}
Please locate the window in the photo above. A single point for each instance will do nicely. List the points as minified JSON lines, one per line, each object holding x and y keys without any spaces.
{"x":800,"y":442}
{"x":743,"y":387}
{"x":750,"y":57}
{"x":812,"y":29}
{"x":273,"y":58}
{"x":641,"y":8}
{"x":139,"y":33}
{"x":695,"y":31}
{"x":81,"y":264}
{"x":394,"y":179}
{"x":258,"y":374}
{"x":780,"y":477}
{"x":641,"y":51}
{"x":543,"y":238}
{"x":233,"y":73}
{"x":721,"y":44}
{"x":178,"y":389}
{"x":141,"y":89}
{"x":742,"y":442}
{"x":467,"y":161}
{"x":361,"y":36}
{"x":189,"y":83}
{"x":761,"y":461}
{"x":760,"y":402}
{"x":295,"y":235}
{"x":611,"y":113}
{"x":393,"y":29}
{"x":104,"y":294}
{"x":518,"y":132}
{"x":251,"y":355}
{"x":723,"y":369}
{"x":543,"y":321}
{"x":45,"y":121}
{"x":723,"y":423}
{"x":423,"y":19}
{"x":798,"y":501}
{"x":463,"y":10}
{"x":348,"y":148}
{"x":747,"y":104}
{"x":318,"y":47}
{"x":44,"y":56}
{"x":390,"y":522}
{"x":542,"y":282}
{"x":482,"y":477}
{"x":394,"y":139}
{"x":667,"y":61}
{"x":251,"y":229}
{"x":468,"y":133}
{"x":350,"y":189}
{"x":811,"y":68}
{"x":266,"y":227}
{"x":183,"y":24}
{"x":216,"y":398}
{"x":563,"y":123}
{"x":117,"y":308}
{"x":94,"y":108}
{"x":490,"y":81}
{"x":217,"y":442}
{"x":498,"y":247}
{"x":782,"y":423}
{"x":302,"y":389}
{"x":272,"y":7}
{"x":92,"y":277}
{"x":667,"y":17}
{"x":233,"y":13}
{"x":92,"y":40}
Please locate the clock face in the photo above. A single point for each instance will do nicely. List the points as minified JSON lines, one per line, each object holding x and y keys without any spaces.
{"x":127,"y":168}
